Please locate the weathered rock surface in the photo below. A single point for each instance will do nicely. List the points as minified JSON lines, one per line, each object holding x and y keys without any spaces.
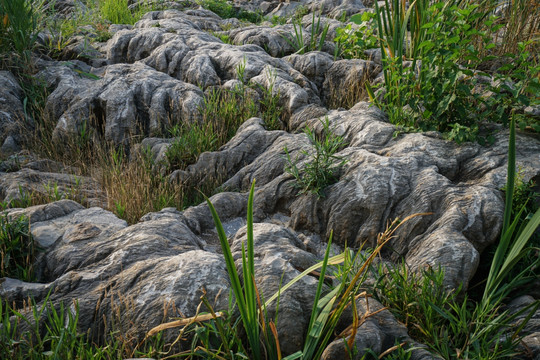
{"x":149,"y":272}
{"x":11,"y":112}
{"x":23,"y":177}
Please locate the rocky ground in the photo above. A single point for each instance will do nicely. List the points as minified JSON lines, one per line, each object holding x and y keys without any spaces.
{"x":159,"y":69}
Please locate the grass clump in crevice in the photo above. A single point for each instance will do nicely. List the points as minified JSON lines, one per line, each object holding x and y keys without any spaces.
{"x":17,"y":248}
{"x":226,"y":10}
{"x":320,"y":169}
{"x":317,"y":36}
{"x":48,"y":331}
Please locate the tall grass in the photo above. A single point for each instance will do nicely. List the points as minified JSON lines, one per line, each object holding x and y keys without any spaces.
{"x":18,"y":31}
{"x":17,"y":248}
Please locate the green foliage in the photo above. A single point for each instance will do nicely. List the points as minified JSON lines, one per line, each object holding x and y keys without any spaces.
{"x":352,"y":43}
{"x":226,"y":10}
{"x":278,"y":20}
{"x":18,"y":30}
{"x":316,"y":40}
{"x":17,"y":248}
{"x":40,"y":332}
{"x":319,"y":171}
{"x":189,"y":142}
{"x":410,"y":297}
{"x":118,"y":12}
{"x":440,"y":89}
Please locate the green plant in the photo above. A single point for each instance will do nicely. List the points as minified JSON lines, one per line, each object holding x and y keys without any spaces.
{"x":118,"y":11}
{"x":439,"y":88}
{"x":18,"y":30}
{"x":190,"y":141}
{"x":352,"y":43}
{"x":225,"y":10}
{"x":316,"y":39}
{"x":320,"y":169}
{"x":17,"y":248}
{"x":278,"y":20}
{"x":271,"y":110}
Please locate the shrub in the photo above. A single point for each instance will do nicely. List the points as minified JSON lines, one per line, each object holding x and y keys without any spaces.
{"x":351,"y":43}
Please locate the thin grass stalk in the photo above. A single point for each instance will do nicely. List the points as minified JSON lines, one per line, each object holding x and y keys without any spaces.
{"x":321,"y":280}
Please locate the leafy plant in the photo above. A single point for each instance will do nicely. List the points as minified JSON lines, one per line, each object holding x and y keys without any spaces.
{"x":17,"y":248}
{"x":352,"y":43}
{"x":319,"y":171}
{"x":439,"y":89}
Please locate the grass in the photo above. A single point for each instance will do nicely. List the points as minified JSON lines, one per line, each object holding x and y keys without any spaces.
{"x":225,"y":10}
{"x":317,"y":36}
{"x":321,"y":167}
{"x":17,"y":248}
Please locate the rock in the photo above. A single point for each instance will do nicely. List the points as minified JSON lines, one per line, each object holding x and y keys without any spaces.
{"x":179,"y":48}
{"x":11,"y":112}
{"x":272,"y":39}
{"x":128,"y":100}
{"x":346,"y":79}
{"x":46,"y":181}
{"x":94,"y":258}
{"x":313,"y":65}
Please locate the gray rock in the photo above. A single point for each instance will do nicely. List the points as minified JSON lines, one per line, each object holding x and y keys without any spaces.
{"x":46,"y":185}
{"x":129,"y":100}
{"x":313,"y":65}
{"x":11,"y":111}
{"x":346,"y":79}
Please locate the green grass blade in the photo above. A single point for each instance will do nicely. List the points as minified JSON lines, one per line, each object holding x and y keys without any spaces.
{"x":338,"y":259}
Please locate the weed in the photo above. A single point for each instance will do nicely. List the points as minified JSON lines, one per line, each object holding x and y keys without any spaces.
{"x":18,"y":31}
{"x":190,"y":141}
{"x":17,"y":248}
{"x":320,"y":169}
{"x":352,"y":43}
{"x":278,"y":20}
{"x":438,"y":91}
{"x":118,"y":11}
{"x":315,"y":41}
